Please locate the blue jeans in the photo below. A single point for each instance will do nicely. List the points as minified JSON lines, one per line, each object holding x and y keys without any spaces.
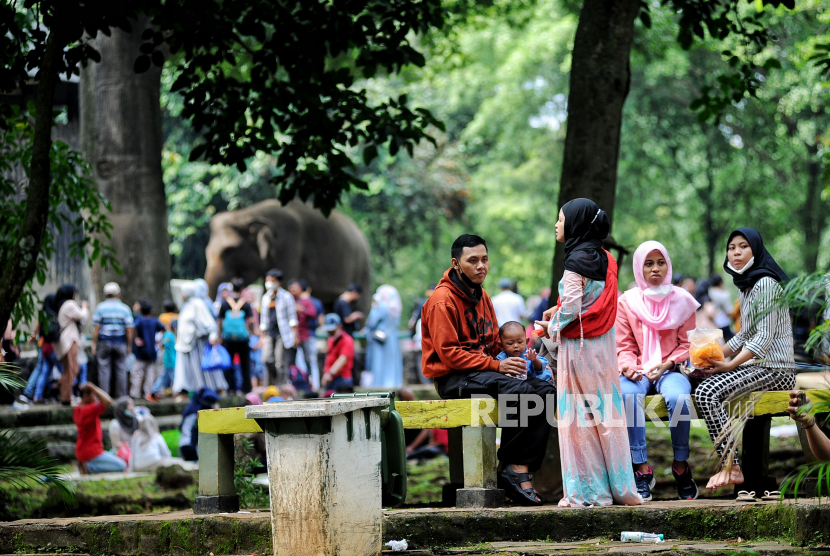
{"x":339,"y":383}
{"x":164,"y":381}
{"x":80,"y":380}
{"x":106,"y":463}
{"x":43,"y":370}
{"x":31,"y":384}
{"x":674,"y":387}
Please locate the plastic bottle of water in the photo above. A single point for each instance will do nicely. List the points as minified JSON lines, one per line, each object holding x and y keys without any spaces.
{"x":637,"y":536}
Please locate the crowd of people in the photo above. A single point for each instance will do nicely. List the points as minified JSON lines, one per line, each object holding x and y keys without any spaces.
{"x":266,"y":348}
{"x":604,"y":351}
{"x":596,"y":341}
{"x":267,"y":340}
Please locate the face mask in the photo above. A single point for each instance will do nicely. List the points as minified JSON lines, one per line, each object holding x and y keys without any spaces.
{"x":746,"y":267}
{"x":657,"y":293}
{"x":128,"y":413}
{"x":270,"y":286}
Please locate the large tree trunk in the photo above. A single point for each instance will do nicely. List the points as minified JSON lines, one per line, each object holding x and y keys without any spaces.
{"x":600,"y":76}
{"x":122,"y":139}
{"x":814,"y":212}
{"x":20,"y":265}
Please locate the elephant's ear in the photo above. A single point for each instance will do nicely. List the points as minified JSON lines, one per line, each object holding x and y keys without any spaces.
{"x":265,"y":241}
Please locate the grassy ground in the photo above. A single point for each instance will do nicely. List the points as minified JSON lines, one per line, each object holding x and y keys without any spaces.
{"x":127,"y":496}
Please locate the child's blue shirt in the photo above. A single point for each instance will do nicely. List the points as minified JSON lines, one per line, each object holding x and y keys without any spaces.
{"x":544,"y":374}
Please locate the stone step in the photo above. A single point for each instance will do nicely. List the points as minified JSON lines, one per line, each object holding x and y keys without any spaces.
{"x":60,"y":439}
{"x":726,"y":526}
{"x":69,"y":433}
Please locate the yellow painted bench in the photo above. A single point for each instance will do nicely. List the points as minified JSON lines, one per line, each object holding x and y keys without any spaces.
{"x":472,"y":442}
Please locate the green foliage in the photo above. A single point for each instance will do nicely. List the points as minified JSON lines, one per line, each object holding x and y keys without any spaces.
{"x":251,"y":495}
{"x":10,"y":379}
{"x":748,"y":28}
{"x":498,"y":79}
{"x":25,"y":26}
{"x":22,"y":459}
{"x":279,"y":78}
{"x":74,"y":205}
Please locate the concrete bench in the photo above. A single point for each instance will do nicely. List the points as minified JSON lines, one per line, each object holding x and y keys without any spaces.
{"x":472,"y":443}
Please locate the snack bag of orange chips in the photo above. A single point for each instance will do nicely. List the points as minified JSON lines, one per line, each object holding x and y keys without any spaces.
{"x":704,"y":346}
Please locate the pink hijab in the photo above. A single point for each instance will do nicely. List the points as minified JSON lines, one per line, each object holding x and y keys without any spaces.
{"x":664,"y":307}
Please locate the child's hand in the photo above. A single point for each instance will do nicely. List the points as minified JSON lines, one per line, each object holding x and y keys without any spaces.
{"x":533,"y":357}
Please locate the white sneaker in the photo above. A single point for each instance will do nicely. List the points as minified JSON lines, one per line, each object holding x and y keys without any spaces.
{"x":19,"y":406}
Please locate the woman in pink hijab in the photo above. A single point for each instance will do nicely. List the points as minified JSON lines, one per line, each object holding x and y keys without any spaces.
{"x":653,"y":322}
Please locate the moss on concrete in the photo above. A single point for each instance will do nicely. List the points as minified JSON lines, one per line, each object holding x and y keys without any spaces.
{"x":199,"y":536}
{"x":431,"y":529}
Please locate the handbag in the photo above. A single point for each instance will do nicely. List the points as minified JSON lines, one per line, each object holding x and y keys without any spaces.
{"x":379,"y":336}
{"x":216,"y":358}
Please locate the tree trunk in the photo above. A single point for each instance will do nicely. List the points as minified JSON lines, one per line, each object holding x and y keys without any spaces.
{"x":600,"y":77}
{"x":121,"y":137}
{"x":707,"y":198}
{"x":20,"y":265}
{"x":814,"y":212}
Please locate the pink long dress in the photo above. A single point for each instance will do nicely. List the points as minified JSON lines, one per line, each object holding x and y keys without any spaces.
{"x":593,"y":439}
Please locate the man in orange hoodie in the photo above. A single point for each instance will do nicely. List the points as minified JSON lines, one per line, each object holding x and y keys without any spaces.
{"x":460,"y":342}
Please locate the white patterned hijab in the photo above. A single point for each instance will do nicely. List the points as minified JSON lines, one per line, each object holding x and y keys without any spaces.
{"x":388,"y":295}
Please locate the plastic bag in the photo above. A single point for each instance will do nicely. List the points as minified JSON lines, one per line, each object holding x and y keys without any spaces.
{"x":216,"y":358}
{"x":704,"y":346}
{"x":124,"y":452}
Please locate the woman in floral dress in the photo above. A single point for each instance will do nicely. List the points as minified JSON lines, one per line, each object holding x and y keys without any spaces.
{"x":593,"y":442}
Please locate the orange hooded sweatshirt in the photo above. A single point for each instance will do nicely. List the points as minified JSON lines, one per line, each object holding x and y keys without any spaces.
{"x":459,"y":329}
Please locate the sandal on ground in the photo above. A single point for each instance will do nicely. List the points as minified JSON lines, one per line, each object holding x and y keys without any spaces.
{"x":511,"y":482}
{"x":744,"y":496}
{"x":773,"y":495}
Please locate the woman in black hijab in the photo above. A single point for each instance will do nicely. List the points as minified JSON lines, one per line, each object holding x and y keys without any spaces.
{"x":585,"y":226}
{"x":583,"y":322}
{"x":762,"y":352}
{"x":125,"y":423}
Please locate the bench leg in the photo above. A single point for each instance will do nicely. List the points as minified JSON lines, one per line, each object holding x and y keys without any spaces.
{"x":479,"y":460}
{"x":456,"y":455}
{"x":755,"y":456}
{"x":217,"y":492}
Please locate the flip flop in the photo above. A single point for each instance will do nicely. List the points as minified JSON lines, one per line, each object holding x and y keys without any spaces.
{"x":744,"y":496}
{"x":771,"y":495}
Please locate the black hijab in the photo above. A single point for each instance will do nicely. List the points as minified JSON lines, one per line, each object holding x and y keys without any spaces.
{"x":64,"y":294}
{"x":763,"y":264}
{"x":125,"y":417}
{"x":586,"y":225}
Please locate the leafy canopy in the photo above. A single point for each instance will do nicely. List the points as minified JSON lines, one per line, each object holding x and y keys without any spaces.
{"x":278,"y":77}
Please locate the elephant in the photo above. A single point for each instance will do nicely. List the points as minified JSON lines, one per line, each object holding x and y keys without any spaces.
{"x":329,"y":253}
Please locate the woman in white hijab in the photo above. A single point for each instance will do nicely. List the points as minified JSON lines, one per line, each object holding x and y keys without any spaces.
{"x":383,"y":352}
{"x":196,"y":324}
{"x":149,"y":449}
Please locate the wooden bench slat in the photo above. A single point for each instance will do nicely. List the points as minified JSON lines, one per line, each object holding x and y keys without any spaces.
{"x":449,"y":414}
{"x":230,"y":420}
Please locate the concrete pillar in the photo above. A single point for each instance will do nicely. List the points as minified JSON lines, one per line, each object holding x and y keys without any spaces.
{"x":216,"y":489}
{"x":324,"y":470}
